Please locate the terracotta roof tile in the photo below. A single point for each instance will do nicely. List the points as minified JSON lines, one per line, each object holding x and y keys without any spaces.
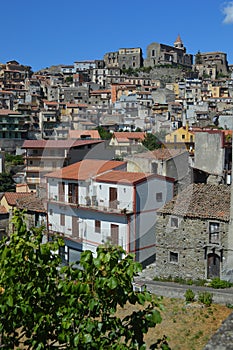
{"x":126,"y":135}
{"x":58,"y":143}
{"x":31,"y":203}
{"x":8,"y":111}
{"x":124,"y":177}
{"x":85,"y":169}
{"x":3,"y":210}
{"x":71,"y":105}
{"x":203,"y":201}
{"x":11,"y":197}
{"x":178,"y":39}
{"x":161,"y":154}
{"x":78,"y":134}
{"x":51,"y":103}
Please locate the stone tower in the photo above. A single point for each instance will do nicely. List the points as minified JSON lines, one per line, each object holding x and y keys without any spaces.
{"x":178,"y":43}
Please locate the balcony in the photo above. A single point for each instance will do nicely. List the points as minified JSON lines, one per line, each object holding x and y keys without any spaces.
{"x":114,"y":207}
{"x":33,"y":180}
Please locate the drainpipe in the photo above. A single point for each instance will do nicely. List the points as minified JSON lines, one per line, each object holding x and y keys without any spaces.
{"x":228,"y":263}
{"x":128,"y":234}
{"x":135,"y":217}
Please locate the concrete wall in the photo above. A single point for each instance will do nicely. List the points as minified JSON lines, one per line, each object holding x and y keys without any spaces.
{"x":209,"y":154}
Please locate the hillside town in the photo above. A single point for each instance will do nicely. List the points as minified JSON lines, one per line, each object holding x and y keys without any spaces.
{"x":129,"y":150}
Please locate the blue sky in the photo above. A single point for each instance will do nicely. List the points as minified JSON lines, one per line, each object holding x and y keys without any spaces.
{"x":45,"y":33}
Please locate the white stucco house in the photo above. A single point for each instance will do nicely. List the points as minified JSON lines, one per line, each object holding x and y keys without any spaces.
{"x":94,"y":201}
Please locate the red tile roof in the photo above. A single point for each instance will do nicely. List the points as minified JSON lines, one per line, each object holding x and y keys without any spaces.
{"x":161,"y":154}
{"x":202,"y":201}
{"x":85,"y":169}
{"x":123,"y":177}
{"x":8,"y":111}
{"x":6,"y":92}
{"x":31,"y":203}
{"x":3,"y":210}
{"x":71,"y":105}
{"x":51,"y":103}
{"x":77,"y":134}
{"x":127,"y":135}
{"x":11,"y":197}
{"x":178,"y":39}
{"x":58,"y":143}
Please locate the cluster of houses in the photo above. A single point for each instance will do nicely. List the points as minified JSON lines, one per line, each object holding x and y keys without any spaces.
{"x":170,"y":206}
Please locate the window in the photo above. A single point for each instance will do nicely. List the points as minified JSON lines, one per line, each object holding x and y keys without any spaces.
{"x":214,"y":232}
{"x":154,"y":168}
{"x":174,"y":222}
{"x":97,"y":226}
{"x":183,"y":136}
{"x":61,"y":190}
{"x":115,"y":234}
{"x":62,"y":219}
{"x":173,"y":257}
{"x":159,"y":197}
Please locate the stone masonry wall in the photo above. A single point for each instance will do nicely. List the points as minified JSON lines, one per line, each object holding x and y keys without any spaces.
{"x":189,"y":241}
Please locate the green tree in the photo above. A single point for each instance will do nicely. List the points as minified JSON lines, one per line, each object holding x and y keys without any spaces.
{"x":69,"y":79}
{"x":104,"y":134}
{"x":14,"y":159}
{"x":198,"y":58}
{"x":151,"y":142}
{"x":46,"y":306}
{"x":7,"y":183}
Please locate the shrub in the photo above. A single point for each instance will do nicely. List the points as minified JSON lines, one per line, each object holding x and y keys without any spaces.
{"x":217,"y":283}
{"x":189,"y":295}
{"x":205,"y":298}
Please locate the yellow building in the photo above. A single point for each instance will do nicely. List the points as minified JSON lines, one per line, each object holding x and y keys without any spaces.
{"x":182,"y":138}
{"x":219,"y":91}
{"x":183,"y":134}
{"x":9,"y":199}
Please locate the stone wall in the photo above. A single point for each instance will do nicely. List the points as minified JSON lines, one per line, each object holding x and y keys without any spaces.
{"x":191,"y":242}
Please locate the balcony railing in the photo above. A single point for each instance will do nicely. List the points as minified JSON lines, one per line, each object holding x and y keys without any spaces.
{"x":108,"y":207}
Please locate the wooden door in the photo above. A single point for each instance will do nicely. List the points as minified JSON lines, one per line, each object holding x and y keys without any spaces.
{"x":114,"y":234}
{"x":213,"y":268}
{"x":61,"y":191}
{"x":75,"y":227}
{"x":113,"y":197}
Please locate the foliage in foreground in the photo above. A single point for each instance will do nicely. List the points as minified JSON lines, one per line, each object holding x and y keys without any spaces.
{"x":46,"y":306}
{"x":189,"y":295}
{"x":215,"y":283}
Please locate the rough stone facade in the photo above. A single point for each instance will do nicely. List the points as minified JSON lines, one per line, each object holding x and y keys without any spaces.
{"x":212,"y":63}
{"x":130,"y":58}
{"x":189,"y":243}
{"x":165,"y":54}
{"x":124,"y":58}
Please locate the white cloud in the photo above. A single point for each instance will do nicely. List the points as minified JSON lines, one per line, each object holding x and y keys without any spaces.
{"x":228,"y":13}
